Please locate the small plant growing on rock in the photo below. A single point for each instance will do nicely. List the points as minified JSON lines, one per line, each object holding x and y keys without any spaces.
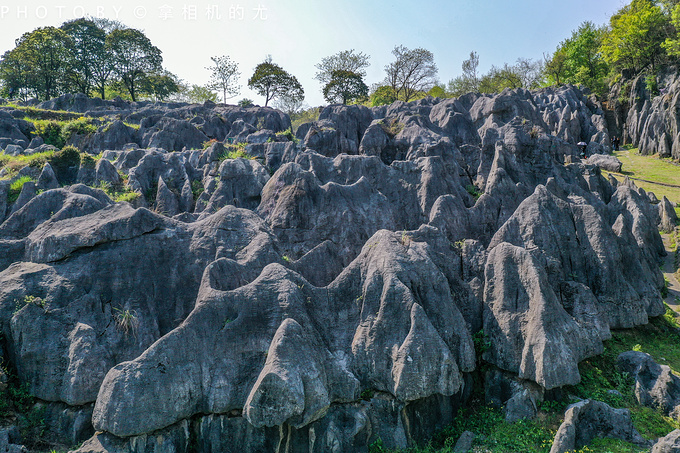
{"x":126,"y":321}
{"x":15,"y":188}
{"x":209,"y":143}
{"x":405,"y":239}
{"x":473,"y":190}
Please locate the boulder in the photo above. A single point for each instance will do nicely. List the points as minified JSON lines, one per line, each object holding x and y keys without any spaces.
{"x":589,"y":419}
{"x":668,"y":444}
{"x":605,"y":162}
{"x":655,"y":385}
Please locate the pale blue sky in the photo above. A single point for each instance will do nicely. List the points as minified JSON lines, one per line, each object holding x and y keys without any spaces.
{"x":298,"y":34}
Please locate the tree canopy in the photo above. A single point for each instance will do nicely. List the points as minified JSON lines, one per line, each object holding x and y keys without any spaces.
{"x":634,"y":40}
{"x":412,"y":71}
{"x":133,"y":57}
{"x":224,"y":77}
{"x":344,"y":87}
{"x":346,"y":60}
{"x":272,"y":81}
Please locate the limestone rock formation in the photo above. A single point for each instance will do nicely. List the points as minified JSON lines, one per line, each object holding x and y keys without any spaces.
{"x":325,"y":292}
{"x":588,"y":419}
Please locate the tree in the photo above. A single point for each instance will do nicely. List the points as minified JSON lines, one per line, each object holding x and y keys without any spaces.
{"x":382,"y":95}
{"x":555,"y":66}
{"x":635,"y":38}
{"x":89,"y":54}
{"x":499,"y":79}
{"x":412,"y":71}
{"x":345,"y":86}
{"x":672,"y":44}
{"x":133,"y":57}
{"x":346,"y":60}
{"x":583,"y":62}
{"x":160,"y":85}
{"x":197,"y":94}
{"x":224,"y":77}
{"x":288,"y":105}
{"x":271,"y":81}
{"x":16,"y":75}
{"x":42,"y":55}
{"x":469,"y":81}
{"x":530,"y":72}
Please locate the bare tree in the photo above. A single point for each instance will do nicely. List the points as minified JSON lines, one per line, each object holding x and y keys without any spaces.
{"x":411,"y":72}
{"x":224,"y":77}
{"x":346,"y":60}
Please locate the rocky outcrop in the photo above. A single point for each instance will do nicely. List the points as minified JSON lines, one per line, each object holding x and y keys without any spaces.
{"x":587,"y":420}
{"x":668,"y":444}
{"x":655,"y":385}
{"x":325,"y":292}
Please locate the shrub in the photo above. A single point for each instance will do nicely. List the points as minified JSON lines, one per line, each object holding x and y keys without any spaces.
{"x":65,"y":164}
{"x":50,"y":131}
{"x":209,"y":143}
{"x":288,"y":133}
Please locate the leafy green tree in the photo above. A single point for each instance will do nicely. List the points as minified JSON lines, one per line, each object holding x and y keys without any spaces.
{"x":16,"y":75}
{"x":382,"y":95}
{"x":583,"y":62}
{"x":272,"y":81}
{"x":345,"y":86}
{"x":498,"y":79}
{"x":438,"y":91}
{"x":160,"y":85}
{"x":672,"y":44}
{"x":412,"y":71}
{"x":88,"y":53}
{"x":197,"y":94}
{"x":346,"y":60}
{"x":133,"y":57}
{"x":224,"y":77}
{"x":555,"y":67}
{"x":245,"y":102}
{"x":635,"y":38}
{"x":43,"y":53}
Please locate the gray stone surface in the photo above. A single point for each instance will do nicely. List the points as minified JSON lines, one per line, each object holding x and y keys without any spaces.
{"x":589,"y":419}
{"x":668,"y":444}
{"x":655,"y":385}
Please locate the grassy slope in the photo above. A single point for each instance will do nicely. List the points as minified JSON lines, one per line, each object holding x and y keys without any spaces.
{"x":599,"y":375}
{"x":652,"y":169}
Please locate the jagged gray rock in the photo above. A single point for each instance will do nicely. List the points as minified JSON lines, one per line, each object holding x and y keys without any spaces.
{"x":667,"y":216}
{"x":589,"y":419}
{"x":606,"y":162}
{"x":655,"y":385}
{"x":668,"y":444}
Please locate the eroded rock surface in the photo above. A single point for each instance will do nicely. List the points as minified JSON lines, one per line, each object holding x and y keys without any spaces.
{"x":258,"y":293}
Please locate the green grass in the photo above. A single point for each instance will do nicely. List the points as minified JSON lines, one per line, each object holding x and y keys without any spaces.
{"x":58,"y":133}
{"x":15,"y":163}
{"x":235,"y":152}
{"x":44,"y":114}
{"x":15,"y":188}
{"x":651,"y":168}
{"x":123,"y":194}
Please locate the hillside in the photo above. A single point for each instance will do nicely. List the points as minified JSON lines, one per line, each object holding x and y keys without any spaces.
{"x":202,"y":279}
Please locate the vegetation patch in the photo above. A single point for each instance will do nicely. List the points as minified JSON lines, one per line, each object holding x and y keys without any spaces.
{"x":58,"y":133}
{"x":12,"y":164}
{"x":235,"y":152}
{"x":15,"y":188}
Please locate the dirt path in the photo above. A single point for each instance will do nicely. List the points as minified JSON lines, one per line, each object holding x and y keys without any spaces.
{"x":668,"y":269}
